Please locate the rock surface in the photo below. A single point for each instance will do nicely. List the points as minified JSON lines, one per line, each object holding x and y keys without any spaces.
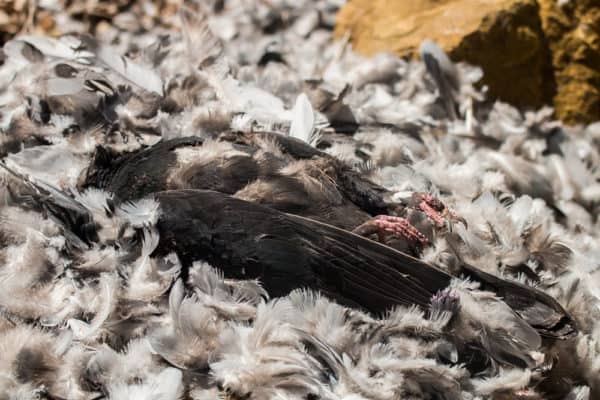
{"x":532,"y":52}
{"x":573,"y":35}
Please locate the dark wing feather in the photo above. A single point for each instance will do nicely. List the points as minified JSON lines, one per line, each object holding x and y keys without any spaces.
{"x":292,"y":146}
{"x":375,"y":275}
{"x":367,"y":195}
{"x":540,"y":310}
{"x":286,"y":252}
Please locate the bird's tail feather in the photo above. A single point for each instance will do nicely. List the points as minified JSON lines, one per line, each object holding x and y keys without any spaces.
{"x":537,"y":308}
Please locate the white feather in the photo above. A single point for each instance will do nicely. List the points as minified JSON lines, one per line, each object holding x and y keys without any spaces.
{"x":146,"y":281}
{"x":63,"y":86}
{"x":506,"y":380}
{"x":56,"y":48}
{"x":56,"y":164}
{"x":201,"y":43}
{"x":108,"y":296}
{"x":140,"y":213}
{"x":138,"y":74}
{"x":303,"y":121}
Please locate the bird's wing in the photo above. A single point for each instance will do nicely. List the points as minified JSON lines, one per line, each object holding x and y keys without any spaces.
{"x":288,"y":252}
{"x":374,"y":275}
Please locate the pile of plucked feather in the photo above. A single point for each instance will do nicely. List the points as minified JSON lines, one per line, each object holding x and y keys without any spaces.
{"x":93,"y":125}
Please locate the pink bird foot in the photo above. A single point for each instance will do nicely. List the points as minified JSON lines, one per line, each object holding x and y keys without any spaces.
{"x":384,"y":225}
{"x":435,"y":210}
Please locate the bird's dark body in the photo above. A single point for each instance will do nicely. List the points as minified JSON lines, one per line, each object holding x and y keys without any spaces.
{"x":135,"y":175}
{"x":287,"y":252}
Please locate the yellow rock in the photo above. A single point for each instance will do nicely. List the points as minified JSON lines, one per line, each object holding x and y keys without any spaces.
{"x":532,"y":52}
{"x":573,"y":36}
{"x":401,"y":25}
{"x":504,"y":37}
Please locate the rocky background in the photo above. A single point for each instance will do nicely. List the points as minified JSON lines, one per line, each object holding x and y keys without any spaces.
{"x":533,"y":52}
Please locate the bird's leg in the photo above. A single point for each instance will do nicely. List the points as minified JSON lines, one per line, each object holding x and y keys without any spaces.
{"x":431,"y":206}
{"x":383,"y":225}
{"x":369,"y":228}
{"x":437,"y":211}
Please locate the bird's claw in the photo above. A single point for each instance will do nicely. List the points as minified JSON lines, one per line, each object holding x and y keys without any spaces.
{"x":435,"y":210}
{"x":432,"y":213}
{"x":400,"y":227}
{"x":396,"y":226}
